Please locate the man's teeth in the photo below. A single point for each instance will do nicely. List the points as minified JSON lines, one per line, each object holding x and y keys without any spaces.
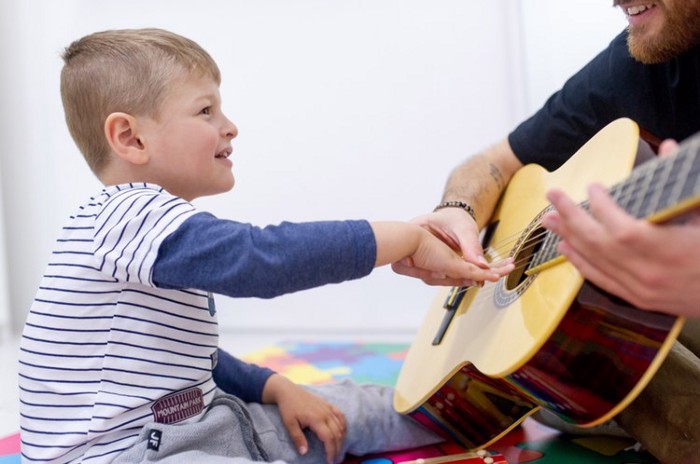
{"x":635,"y":10}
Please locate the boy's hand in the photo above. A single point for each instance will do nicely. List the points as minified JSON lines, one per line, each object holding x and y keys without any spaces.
{"x":300,"y":409}
{"x":436,"y":263}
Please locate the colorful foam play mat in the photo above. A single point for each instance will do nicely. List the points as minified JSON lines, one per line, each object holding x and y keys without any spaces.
{"x":531,"y":442}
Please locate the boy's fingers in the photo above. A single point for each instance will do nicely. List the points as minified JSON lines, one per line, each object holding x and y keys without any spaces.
{"x":330,"y":439}
{"x":503,"y":266}
{"x":298,"y":438}
{"x":435,"y":278}
{"x":338,"y":430}
{"x":339,"y":419}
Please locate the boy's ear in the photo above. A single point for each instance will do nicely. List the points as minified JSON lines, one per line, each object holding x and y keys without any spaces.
{"x":120,"y":130}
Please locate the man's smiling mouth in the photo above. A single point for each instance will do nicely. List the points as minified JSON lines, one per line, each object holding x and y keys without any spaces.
{"x":638,"y":9}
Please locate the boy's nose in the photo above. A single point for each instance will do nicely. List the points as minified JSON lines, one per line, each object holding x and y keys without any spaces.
{"x":230,"y":130}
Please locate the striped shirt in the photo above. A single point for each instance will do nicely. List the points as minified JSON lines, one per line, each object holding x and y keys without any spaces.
{"x":101,"y":344}
{"x":121,"y":331}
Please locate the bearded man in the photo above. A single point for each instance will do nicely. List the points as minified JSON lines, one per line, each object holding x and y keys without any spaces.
{"x":651,"y":74}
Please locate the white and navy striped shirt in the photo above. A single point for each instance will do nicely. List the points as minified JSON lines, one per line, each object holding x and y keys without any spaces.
{"x":112,"y":340}
{"x":104,"y":351}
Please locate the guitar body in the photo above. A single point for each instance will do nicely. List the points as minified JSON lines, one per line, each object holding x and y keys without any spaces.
{"x":542,"y":340}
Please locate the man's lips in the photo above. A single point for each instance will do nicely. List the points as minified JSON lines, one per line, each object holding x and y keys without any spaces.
{"x":633,"y":8}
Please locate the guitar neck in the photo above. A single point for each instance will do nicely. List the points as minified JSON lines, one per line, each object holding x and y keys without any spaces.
{"x":658,"y":190}
{"x":663,"y":187}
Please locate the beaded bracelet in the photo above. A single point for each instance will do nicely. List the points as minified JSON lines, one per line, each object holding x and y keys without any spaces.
{"x":457,"y":204}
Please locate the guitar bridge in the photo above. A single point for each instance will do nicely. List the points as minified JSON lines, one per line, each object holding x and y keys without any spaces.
{"x":456,"y":295}
{"x":452,"y":302}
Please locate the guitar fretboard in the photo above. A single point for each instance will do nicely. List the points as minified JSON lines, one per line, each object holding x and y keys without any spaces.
{"x":657,"y":186}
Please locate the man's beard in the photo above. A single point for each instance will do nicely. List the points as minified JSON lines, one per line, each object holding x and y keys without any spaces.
{"x":680,"y":33}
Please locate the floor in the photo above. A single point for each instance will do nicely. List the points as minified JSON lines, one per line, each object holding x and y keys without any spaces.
{"x":9,"y":415}
{"x":236,"y":343}
{"x":542,"y":444}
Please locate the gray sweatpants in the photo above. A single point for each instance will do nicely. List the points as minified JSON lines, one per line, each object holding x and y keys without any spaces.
{"x":233,"y":432}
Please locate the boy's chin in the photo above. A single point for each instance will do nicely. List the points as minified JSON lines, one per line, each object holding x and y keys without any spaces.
{"x":226,"y":186}
{"x":214,"y":189}
{"x":222,"y":184}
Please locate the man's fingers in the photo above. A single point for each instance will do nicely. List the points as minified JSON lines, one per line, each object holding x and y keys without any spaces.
{"x":593,"y":273}
{"x":605,"y":210}
{"x":668,"y":147}
{"x":472,"y":250}
{"x":564,"y":205}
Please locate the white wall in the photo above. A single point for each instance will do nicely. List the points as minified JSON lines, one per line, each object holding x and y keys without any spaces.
{"x":558,"y":38}
{"x":345,"y":109}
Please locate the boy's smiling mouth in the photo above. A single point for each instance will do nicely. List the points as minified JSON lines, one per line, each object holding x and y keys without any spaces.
{"x":225,"y":153}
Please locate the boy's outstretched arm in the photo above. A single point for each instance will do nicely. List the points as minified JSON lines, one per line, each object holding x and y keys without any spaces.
{"x":299,"y":409}
{"x":415,"y":252}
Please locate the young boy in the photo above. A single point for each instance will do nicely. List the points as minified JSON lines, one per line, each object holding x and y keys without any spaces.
{"x":119,"y":353}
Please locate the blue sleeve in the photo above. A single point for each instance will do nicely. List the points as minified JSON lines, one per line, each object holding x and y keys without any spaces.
{"x":244,"y":380}
{"x":241,"y":260}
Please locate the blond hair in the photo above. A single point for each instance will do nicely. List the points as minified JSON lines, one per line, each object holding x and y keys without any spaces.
{"x":126,"y":71}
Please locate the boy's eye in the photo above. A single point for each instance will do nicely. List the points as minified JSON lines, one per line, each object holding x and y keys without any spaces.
{"x":206,"y":110}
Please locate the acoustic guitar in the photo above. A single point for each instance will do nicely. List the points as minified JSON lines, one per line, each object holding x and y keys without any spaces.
{"x":543,"y":337}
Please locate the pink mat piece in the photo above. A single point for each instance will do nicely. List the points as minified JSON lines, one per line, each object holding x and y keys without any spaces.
{"x":9,"y":445}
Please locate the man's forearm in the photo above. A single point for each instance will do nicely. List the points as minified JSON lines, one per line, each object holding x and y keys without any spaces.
{"x":481,"y":179}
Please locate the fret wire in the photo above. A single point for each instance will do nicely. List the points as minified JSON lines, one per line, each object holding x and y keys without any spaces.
{"x":623,"y":196}
{"x":695,"y":189}
{"x":537,"y":257}
{"x":696,"y":184}
{"x":627,"y":188}
{"x":668,"y":179}
{"x":689,"y":151}
{"x":553,"y":242}
{"x":546,"y":250}
{"x":643,"y":174}
{"x":685,"y":170}
{"x":687,"y":161}
{"x":662,"y":172}
{"x":616,"y":192}
{"x":692,"y":184}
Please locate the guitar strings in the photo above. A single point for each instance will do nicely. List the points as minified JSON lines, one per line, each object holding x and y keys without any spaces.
{"x":534,"y":240}
{"x":644,"y":173}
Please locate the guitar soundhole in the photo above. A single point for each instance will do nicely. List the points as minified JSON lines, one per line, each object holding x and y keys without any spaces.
{"x":525,"y":251}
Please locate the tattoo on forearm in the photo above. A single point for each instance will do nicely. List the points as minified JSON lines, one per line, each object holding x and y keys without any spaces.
{"x":496,"y":175}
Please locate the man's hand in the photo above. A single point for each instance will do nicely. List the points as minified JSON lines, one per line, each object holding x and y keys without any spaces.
{"x":458,"y":230}
{"x":652,"y":266}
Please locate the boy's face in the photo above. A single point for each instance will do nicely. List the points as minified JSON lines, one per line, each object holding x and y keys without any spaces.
{"x":189,"y":144}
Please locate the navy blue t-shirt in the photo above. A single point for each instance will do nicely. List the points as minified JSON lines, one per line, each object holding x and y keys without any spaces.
{"x":664,"y":99}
